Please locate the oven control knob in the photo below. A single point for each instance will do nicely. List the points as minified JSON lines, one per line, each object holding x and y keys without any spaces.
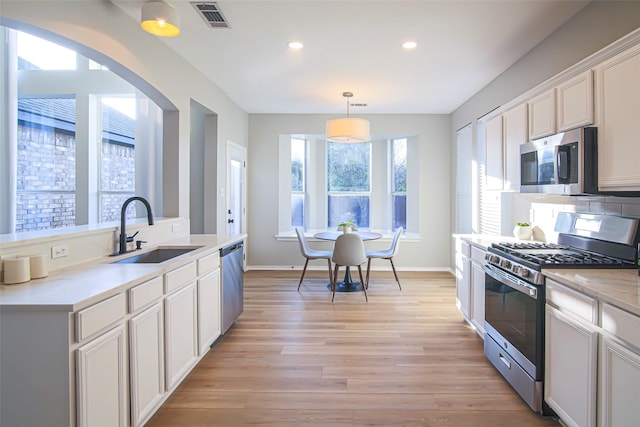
{"x":505,"y":264}
{"x":525,"y":273}
{"x":515,"y":269}
{"x":494,"y":259}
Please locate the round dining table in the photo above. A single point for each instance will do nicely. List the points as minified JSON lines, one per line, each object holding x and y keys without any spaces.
{"x":347,"y":284}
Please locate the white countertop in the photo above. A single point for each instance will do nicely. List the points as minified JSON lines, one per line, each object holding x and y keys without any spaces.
{"x":82,"y":285}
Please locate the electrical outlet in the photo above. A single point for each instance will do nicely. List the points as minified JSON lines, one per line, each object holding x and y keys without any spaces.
{"x":175,"y":228}
{"x":59,"y":251}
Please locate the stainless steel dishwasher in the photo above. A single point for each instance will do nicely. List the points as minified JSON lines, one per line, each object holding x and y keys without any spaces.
{"x":231,"y":262}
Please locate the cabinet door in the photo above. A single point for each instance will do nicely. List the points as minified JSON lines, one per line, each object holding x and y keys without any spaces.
{"x":181,"y":339}
{"x":619,"y":385}
{"x":618,"y":113}
{"x":102,"y":381}
{"x":542,"y":115}
{"x":493,"y":156}
{"x":477,"y":291}
{"x":570,"y":368}
{"x":516,"y":133}
{"x":463,"y":284}
{"x":575,"y":102}
{"x":208,"y":310}
{"x":146,"y":355}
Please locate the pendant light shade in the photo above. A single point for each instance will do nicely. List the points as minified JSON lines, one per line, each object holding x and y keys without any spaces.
{"x":349,"y":129}
{"x":160,"y":19}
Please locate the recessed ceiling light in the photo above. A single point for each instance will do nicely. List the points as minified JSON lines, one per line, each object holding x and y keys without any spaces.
{"x":295,"y":45}
{"x":409,"y":45}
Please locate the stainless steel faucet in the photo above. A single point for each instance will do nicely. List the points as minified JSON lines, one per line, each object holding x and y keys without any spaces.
{"x":123,"y":219}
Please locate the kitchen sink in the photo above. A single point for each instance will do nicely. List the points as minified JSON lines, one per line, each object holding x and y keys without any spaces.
{"x":157,"y":255}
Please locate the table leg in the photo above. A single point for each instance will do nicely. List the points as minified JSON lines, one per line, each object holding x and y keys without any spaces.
{"x":347,"y":285}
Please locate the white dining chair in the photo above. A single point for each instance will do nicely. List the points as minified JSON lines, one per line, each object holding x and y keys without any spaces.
{"x":348,"y":251}
{"x":388,"y":253}
{"x":311,"y":254}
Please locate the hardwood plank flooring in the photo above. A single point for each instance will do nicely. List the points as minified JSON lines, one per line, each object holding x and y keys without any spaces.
{"x":405,"y":358}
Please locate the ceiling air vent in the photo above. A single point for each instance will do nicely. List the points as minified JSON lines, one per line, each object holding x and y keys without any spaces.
{"x":211,"y":13}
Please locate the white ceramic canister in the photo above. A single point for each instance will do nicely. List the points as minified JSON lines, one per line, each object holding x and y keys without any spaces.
{"x":17,"y":270}
{"x":38,"y":266}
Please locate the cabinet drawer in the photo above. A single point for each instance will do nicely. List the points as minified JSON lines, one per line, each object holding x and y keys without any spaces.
{"x":179,"y":277}
{"x":465,"y":248}
{"x":144,"y":294}
{"x":208,"y":263}
{"x":568,"y":300}
{"x":99,"y":316}
{"x":621,"y":324}
{"x":477,"y":254}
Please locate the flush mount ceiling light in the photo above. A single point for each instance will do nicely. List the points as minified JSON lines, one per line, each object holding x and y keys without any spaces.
{"x":160,"y":19}
{"x":409,"y":45}
{"x":295,"y":45}
{"x":348,"y":129}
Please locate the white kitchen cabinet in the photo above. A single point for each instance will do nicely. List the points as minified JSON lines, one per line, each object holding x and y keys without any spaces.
{"x":571,"y":345}
{"x":494,"y":155}
{"x":463,"y":277}
{"x":181,"y":334}
{"x":208,"y":310}
{"x":575,"y":102}
{"x":146,"y":354}
{"x":619,"y":384}
{"x":516,"y":133}
{"x":477,"y":291}
{"x":618,"y":112}
{"x":102,"y":381}
{"x":542,"y":114}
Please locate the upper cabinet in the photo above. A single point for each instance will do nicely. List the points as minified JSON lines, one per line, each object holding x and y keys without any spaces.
{"x":493,"y":156}
{"x":542,"y":114}
{"x":575,"y":102}
{"x":515,"y":133}
{"x":618,"y":89}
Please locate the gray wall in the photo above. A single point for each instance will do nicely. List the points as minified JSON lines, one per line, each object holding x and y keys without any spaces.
{"x":592,"y":29}
{"x":433,"y":134}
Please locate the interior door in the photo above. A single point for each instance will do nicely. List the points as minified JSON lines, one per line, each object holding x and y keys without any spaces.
{"x":236,"y":188}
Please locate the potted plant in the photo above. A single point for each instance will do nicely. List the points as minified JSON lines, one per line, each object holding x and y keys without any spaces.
{"x":522,"y":231}
{"x":348,"y":226}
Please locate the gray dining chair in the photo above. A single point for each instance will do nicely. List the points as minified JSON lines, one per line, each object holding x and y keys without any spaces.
{"x":388,"y":253}
{"x":311,"y":254}
{"x":348,"y":251}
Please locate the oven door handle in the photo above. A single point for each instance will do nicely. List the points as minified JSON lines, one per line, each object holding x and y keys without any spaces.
{"x":507,"y":279}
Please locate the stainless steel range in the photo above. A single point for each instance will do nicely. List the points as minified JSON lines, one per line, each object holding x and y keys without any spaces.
{"x":515,"y":297}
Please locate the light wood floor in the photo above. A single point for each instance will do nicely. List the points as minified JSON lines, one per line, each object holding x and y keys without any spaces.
{"x":405,"y":358}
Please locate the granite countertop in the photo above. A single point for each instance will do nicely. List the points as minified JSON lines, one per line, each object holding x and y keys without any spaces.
{"x":74,"y":288}
{"x":616,"y":287}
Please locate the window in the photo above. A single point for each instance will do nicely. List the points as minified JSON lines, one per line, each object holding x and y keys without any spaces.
{"x":399,"y":183}
{"x":348,"y":183}
{"x":84,"y":144}
{"x":298,"y":181}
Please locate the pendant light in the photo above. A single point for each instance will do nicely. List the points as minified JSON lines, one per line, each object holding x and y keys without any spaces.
{"x":349,"y":129}
{"x":159,"y":19}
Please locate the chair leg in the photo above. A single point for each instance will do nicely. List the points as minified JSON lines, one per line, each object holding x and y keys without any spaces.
{"x":368,"y":269}
{"x":334,"y":282}
{"x":395,"y":273}
{"x":364,"y":288}
{"x":304,"y":270}
{"x":330,"y":276}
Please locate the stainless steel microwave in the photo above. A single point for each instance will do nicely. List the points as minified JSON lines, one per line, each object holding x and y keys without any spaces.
{"x":564,"y":163}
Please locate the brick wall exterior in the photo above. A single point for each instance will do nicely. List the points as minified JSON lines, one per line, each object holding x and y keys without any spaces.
{"x":46,"y":178}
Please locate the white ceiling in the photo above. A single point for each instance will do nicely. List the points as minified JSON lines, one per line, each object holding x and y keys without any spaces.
{"x":354,"y":45}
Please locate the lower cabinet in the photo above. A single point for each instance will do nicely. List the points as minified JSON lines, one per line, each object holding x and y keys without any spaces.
{"x":146,"y":355}
{"x":102,"y":398}
{"x":181,"y":333}
{"x":470,"y":284}
{"x":209,"y":324}
{"x":619,"y":385}
{"x":570,"y":368}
